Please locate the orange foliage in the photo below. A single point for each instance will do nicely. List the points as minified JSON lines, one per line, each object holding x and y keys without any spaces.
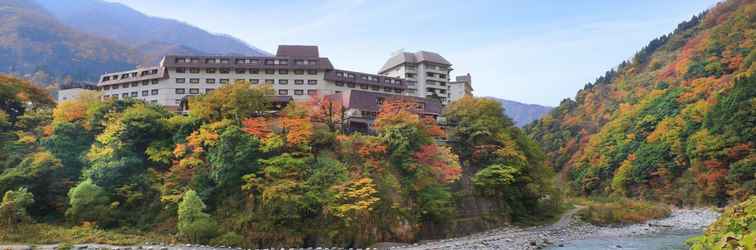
{"x":257,"y":126}
{"x":298,"y":129}
{"x":443,"y":163}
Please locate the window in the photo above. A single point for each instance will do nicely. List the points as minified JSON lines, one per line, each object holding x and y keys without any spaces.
{"x":339,"y":84}
{"x":298,"y":62}
{"x":155,"y":81}
{"x":133,"y":74}
{"x":194,"y":80}
{"x":145,"y":83}
{"x":298,"y":92}
{"x":194,"y":70}
{"x":312,"y":92}
{"x":351,"y":85}
{"x":283,"y":62}
{"x":125,"y":85}
{"x":283,"y":92}
{"x":134,"y":94}
{"x":210,"y":81}
{"x":442,"y":76}
{"x":254,"y":81}
{"x":312,"y":61}
{"x":134,"y":84}
{"x":211,"y":61}
{"x":180,"y":91}
{"x":209,"y":90}
{"x":270,"y":81}
{"x":375,"y":88}
{"x":224,"y":61}
{"x":106,"y":78}
{"x":283,"y":71}
{"x":124,"y":76}
{"x":397,"y":90}
{"x":241,"y":71}
{"x":364,"y":86}
{"x":181,"y":60}
{"x":351,"y":76}
{"x":312,"y":71}
{"x":124,"y":95}
{"x":430,"y":74}
{"x":270,"y":62}
{"x":211,"y":70}
{"x":283,"y":81}
{"x":115,"y":86}
{"x":299,"y":82}
{"x":312,"y":82}
{"x":299,"y":72}
{"x":387,"y":89}
{"x":253,"y":61}
{"x":178,"y":101}
{"x":223,"y":81}
{"x":106,"y":88}
{"x":254,"y":71}
{"x":115,"y":77}
{"x":224,"y":71}
{"x":180,"y":80}
{"x":340,"y":74}
{"x":153,"y":101}
{"x":145,"y":92}
{"x":270,"y":71}
{"x":193,"y":91}
{"x":154,"y":92}
{"x":337,"y":92}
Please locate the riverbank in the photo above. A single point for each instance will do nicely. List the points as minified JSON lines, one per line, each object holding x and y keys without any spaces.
{"x":570,"y":229}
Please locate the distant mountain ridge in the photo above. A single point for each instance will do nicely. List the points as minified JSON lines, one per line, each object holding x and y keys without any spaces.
{"x":523,"y":113}
{"x":51,"y":41}
{"x":126,"y":25}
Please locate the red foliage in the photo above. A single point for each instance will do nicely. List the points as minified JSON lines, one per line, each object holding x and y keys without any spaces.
{"x":257,"y":126}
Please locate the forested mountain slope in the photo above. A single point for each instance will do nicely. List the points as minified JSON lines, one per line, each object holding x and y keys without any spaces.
{"x":676,"y":123}
{"x":32,"y":41}
{"x":523,"y":113}
{"x":128,"y":26}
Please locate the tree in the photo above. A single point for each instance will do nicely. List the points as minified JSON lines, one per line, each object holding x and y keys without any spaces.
{"x":236,"y":102}
{"x":88,"y":202}
{"x":13,"y":208}
{"x":194,"y":224}
{"x":16,"y":96}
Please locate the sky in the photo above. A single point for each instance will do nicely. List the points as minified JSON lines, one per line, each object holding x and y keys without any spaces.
{"x":529,"y":51}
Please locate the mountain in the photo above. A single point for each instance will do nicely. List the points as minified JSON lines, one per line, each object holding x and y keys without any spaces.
{"x":128,"y":26}
{"x":675,"y":123}
{"x":522,"y":113}
{"x":32,"y":41}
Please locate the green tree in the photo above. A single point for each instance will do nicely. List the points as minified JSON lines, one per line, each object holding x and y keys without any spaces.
{"x":88,"y":202}
{"x":235,"y":102}
{"x":194,"y":224}
{"x":13,"y":208}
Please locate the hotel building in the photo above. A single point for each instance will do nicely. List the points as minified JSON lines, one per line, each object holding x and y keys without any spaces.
{"x":295,"y":71}
{"x":425,"y":73}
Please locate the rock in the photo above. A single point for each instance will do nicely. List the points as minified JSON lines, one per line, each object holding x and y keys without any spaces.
{"x":532,"y":243}
{"x":561,"y":245}
{"x":618,"y":246}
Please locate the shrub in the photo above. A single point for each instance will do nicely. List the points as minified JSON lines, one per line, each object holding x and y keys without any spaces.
{"x":227,"y":239}
{"x":733,"y":230}
{"x":13,"y":207}
{"x":88,"y":202}
{"x":623,"y":211}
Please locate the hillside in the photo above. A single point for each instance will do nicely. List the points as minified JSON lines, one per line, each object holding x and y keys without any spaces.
{"x":675,"y":123}
{"x":32,"y":41}
{"x":523,"y":113}
{"x":128,"y":26}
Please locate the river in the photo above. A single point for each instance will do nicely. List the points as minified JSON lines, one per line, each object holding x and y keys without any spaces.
{"x":660,"y":240}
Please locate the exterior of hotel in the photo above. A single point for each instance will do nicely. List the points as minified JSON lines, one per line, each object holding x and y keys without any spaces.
{"x":295,"y":71}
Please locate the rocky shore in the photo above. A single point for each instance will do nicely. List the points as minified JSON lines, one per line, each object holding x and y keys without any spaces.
{"x":555,"y":235}
{"x":570,"y":229}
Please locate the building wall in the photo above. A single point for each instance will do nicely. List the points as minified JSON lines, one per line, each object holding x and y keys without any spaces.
{"x":68,"y":94}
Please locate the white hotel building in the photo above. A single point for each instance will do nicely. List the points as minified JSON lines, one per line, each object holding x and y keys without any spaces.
{"x":295,"y":71}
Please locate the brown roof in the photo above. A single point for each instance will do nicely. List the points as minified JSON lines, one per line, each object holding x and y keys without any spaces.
{"x":338,"y":75}
{"x":297,"y":51}
{"x":322,"y":62}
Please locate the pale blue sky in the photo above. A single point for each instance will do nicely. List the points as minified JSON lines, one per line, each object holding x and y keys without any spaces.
{"x":530,"y":51}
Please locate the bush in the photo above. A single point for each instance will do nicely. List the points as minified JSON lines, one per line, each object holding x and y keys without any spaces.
{"x":88,"y":202}
{"x":13,"y":207}
{"x":227,"y":239}
{"x":733,"y":230}
{"x":623,"y":211}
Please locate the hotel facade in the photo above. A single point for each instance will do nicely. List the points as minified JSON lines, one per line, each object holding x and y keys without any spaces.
{"x":295,"y":71}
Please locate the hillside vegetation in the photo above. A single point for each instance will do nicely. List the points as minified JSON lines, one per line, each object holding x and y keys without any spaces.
{"x":226,"y":175}
{"x":676,"y":123}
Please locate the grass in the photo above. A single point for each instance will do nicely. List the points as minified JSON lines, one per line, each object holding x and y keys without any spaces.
{"x":620,"y":211}
{"x":53,"y":234}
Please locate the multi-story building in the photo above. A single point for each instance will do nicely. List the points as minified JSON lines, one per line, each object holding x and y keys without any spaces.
{"x":461,"y":87}
{"x":73,"y":90}
{"x":362,"y":107}
{"x":296,"y":71}
{"x":426,"y":73}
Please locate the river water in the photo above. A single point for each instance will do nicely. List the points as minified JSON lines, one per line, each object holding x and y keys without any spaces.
{"x":660,"y":240}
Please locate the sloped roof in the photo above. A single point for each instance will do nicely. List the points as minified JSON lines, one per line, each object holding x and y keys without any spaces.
{"x":368,"y":101}
{"x":297,"y":51}
{"x":417,"y":57}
